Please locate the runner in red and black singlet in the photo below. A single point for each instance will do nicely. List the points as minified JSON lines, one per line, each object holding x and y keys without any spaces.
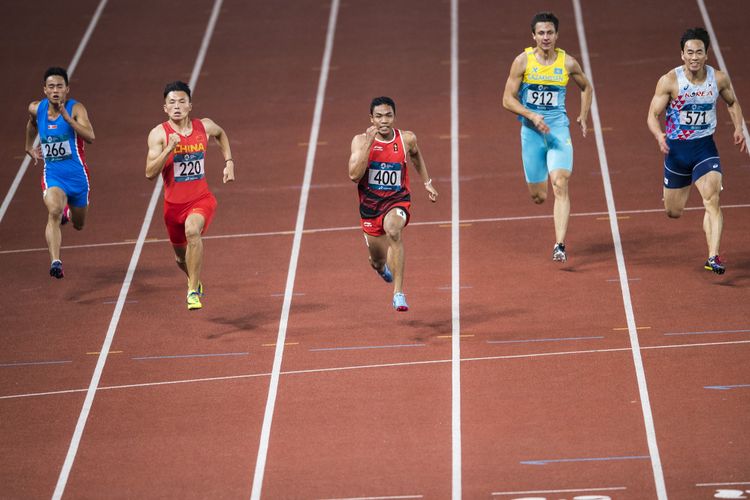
{"x":378,"y":165}
{"x":385,"y":184}
{"x":177,"y":150}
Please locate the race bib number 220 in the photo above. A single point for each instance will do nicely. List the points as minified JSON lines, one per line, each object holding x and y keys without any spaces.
{"x":188,"y":167}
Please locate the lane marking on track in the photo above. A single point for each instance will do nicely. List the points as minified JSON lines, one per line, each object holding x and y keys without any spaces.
{"x":71,"y":69}
{"x":622,"y":328}
{"x":99,"y":352}
{"x":741,"y":483}
{"x":709,"y":332}
{"x":593,"y":459}
{"x":350,"y":228}
{"x":356,"y":348}
{"x":463,"y":335}
{"x":629,"y":279}
{"x":456,"y":449}
{"x":274,"y":344}
{"x":619,"y":217}
{"x":726,"y":387}
{"x":567,"y":490}
{"x":34,"y":363}
{"x":640,"y":372}
{"x":377,"y":498}
{"x":75,"y":440}
{"x":189,"y":356}
{"x":273,"y":384}
{"x":541,"y":340}
{"x":373,"y":366}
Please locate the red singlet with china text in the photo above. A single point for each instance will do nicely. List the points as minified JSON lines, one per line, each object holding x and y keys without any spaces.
{"x":184,"y":173}
{"x":386,"y":180}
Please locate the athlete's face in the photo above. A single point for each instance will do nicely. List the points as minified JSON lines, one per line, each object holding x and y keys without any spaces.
{"x":177,"y":105}
{"x":56,"y":89}
{"x":694,"y":55}
{"x":545,"y":35}
{"x":383,"y":117}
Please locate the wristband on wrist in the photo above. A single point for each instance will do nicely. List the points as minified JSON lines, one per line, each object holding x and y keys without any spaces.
{"x":228,"y":160}
{"x":428,"y":182}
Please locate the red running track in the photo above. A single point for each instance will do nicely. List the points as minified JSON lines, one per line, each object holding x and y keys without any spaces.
{"x":549,"y":394}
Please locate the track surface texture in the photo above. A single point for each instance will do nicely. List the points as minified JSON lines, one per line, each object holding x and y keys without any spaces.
{"x":620,"y":374}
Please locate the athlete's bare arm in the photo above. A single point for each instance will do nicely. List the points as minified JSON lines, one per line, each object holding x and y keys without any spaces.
{"x":215,"y":131}
{"x":576,"y":73}
{"x":159,"y":148}
{"x":664,"y":92}
{"x":726,"y":91}
{"x":510,"y":94}
{"x":79,"y":120}
{"x":361,"y":145}
{"x":31,"y":131}
{"x":415,"y":154}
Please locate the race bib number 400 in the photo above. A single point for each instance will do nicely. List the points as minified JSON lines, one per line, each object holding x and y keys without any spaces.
{"x":543,"y":97}
{"x":697,"y":116}
{"x":188,"y":167}
{"x":56,"y":148}
{"x":384,"y":176}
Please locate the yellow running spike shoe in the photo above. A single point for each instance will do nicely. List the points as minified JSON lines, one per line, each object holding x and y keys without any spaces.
{"x":193,"y":300}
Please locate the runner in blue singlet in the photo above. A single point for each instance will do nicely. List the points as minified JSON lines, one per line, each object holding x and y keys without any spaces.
{"x":63,"y":125}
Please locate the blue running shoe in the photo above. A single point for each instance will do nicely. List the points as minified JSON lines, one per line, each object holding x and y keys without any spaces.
{"x":386,"y":274}
{"x":714,"y":264}
{"x":399,"y":302}
{"x":56,"y":270}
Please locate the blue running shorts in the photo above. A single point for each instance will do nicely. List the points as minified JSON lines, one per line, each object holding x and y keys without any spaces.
{"x":542,"y":153}
{"x":688,"y":161}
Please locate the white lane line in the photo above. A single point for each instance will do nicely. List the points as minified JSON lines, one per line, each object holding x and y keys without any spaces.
{"x":723,"y":484}
{"x":75,"y":441}
{"x":71,"y":68}
{"x":648,"y":419}
{"x":265,"y":434}
{"x":366,"y":367}
{"x":358,"y":228}
{"x":717,"y":52}
{"x":455,"y":269}
{"x":397,"y":497}
{"x":569,"y":490}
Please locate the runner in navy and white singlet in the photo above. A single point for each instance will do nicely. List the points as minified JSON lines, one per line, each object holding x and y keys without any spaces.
{"x":63,"y":126}
{"x":689,"y":94}
{"x":378,"y":164}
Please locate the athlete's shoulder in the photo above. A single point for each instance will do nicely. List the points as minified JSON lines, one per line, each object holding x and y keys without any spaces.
{"x":33,"y":107}
{"x":157,"y":134}
{"x":409,"y":138}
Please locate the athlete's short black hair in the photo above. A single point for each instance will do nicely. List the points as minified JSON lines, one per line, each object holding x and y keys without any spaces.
{"x":377,"y":101}
{"x":544,"y":17}
{"x":56,"y":71}
{"x":178,"y":86}
{"x":696,"y":33}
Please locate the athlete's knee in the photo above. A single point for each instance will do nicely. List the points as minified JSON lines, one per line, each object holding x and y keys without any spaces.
{"x":192,"y":233}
